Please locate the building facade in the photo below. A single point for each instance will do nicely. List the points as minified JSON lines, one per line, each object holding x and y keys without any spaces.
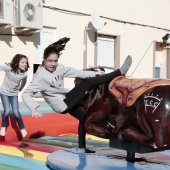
{"x":101,"y":33}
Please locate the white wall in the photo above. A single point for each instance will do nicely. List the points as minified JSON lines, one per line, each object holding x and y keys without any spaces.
{"x":135,"y":38}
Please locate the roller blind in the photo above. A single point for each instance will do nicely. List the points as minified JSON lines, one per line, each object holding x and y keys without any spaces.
{"x":41,"y":40}
{"x":105,"y":52}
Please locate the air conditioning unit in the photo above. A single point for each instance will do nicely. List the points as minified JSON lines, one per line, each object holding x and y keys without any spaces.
{"x":28,"y":14}
{"x":6,"y":12}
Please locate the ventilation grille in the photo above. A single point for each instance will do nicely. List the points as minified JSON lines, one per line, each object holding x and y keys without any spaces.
{"x":1,"y":9}
{"x":30,"y":12}
{"x":17,"y":14}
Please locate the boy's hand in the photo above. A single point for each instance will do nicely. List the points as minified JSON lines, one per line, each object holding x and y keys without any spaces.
{"x":36,"y":113}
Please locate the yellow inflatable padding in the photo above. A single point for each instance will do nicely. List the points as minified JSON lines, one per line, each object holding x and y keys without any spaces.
{"x":26,"y":153}
{"x":89,"y":137}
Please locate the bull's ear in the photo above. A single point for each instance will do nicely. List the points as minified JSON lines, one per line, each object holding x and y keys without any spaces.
{"x":102,"y":69}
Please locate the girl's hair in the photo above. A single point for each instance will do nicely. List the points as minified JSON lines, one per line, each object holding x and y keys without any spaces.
{"x":55,"y":48}
{"x":15,"y":62}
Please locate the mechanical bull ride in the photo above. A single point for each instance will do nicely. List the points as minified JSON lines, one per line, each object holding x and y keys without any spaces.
{"x":134,"y":114}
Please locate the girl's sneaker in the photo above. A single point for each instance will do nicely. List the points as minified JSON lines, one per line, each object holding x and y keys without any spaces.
{"x":23,"y":132}
{"x":3,"y":131}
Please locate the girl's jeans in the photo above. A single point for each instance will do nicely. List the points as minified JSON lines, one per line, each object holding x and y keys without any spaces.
{"x":13,"y":101}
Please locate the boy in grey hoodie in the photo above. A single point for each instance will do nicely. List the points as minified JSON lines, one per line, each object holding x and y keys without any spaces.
{"x":49,"y":81}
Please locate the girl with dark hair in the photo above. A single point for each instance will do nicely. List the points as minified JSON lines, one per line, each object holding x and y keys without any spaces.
{"x":14,"y":81}
{"x":49,"y":80}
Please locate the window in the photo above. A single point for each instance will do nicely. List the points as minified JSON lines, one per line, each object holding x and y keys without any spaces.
{"x":35,"y":67}
{"x":41,"y":40}
{"x":157,"y":72}
{"x":161,"y":61}
{"x":105,"y":51}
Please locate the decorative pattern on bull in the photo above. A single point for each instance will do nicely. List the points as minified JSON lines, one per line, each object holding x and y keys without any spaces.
{"x":130,"y":110}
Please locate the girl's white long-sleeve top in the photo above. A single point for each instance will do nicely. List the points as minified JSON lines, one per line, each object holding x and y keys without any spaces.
{"x":13,"y":82}
{"x":51,"y":86}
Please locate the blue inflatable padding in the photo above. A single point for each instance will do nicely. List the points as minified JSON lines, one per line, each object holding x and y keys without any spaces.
{"x":22,"y":162}
{"x":71,"y":160}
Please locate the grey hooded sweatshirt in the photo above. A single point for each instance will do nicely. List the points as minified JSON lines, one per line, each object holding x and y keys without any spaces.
{"x":51,"y":86}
